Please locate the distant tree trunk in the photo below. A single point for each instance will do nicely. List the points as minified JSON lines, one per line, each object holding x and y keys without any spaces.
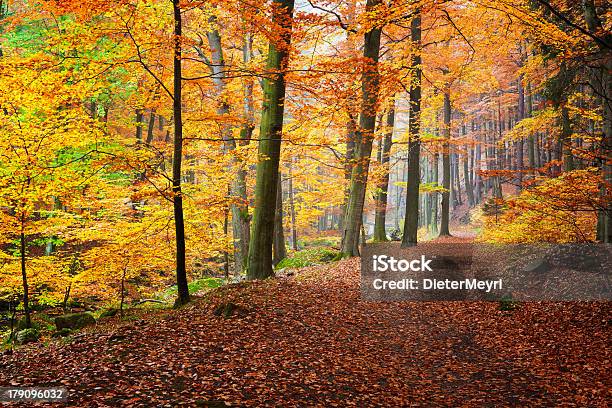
{"x":467,"y":179}
{"x":279,"y":249}
{"x":457,"y":179}
{"x":380,"y":234}
{"x":24,"y":275}
{"x":566,"y":140}
{"x":411,"y":220}
{"x":531,"y":140}
{"x":365,"y":135}
{"x":177,"y":199}
{"x":294,"y":237}
{"x":435,"y":196}
{"x":519,"y":143}
{"x":476,"y":169}
{"x":428,"y":179}
{"x":446,"y":182}
{"x":270,"y":133}
{"x":150,"y":127}
{"x":601,"y":81}
{"x":139,"y":123}
{"x":122,"y":301}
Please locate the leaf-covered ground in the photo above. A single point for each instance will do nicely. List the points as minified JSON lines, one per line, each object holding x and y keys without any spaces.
{"x":310,"y":340}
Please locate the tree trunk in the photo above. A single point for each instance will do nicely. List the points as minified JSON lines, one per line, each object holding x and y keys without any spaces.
{"x":364,"y":135}
{"x":467,"y":179}
{"x":457,"y":178}
{"x":150,"y":127}
{"x":566,"y":140}
{"x":270,"y":133}
{"x":349,"y":160}
{"x":446,"y":182}
{"x":434,"y":196}
{"x":519,"y":144}
{"x":531,"y":140}
{"x":279,"y":249}
{"x":177,"y":199}
{"x":380,"y":219}
{"x":24,"y":275}
{"x":411,"y":220}
{"x":238,"y":187}
{"x":139,"y":124}
{"x":294,"y":236}
{"x":601,"y":80}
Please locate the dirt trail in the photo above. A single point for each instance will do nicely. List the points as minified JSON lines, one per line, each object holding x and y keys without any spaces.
{"x":310,"y":340}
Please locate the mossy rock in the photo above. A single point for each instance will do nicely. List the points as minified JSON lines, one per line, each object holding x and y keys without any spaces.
{"x":27,"y":336}
{"x":507,"y":304}
{"x":62,"y":333}
{"x":21,"y":324}
{"x":74,"y":321}
{"x":109,"y":312}
{"x":229,"y":309}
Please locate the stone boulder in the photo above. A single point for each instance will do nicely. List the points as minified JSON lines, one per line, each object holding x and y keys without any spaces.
{"x":74,"y":321}
{"x":27,"y":336}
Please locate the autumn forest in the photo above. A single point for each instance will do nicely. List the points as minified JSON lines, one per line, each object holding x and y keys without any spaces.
{"x":204,"y":175}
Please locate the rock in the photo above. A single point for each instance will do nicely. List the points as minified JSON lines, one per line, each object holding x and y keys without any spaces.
{"x":109,"y":312}
{"x":117,"y":337}
{"x":74,"y":321}
{"x":8,"y":301}
{"x":229,"y":309}
{"x":538,"y":265}
{"x":62,"y":333}
{"x":27,"y":336}
{"x":21,"y":324}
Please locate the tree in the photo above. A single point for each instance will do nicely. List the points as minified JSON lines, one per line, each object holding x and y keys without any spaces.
{"x":177,"y":157}
{"x":446,"y":182}
{"x":364,"y":136}
{"x":380,"y":234}
{"x":270,"y":136}
{"x":411,"y":222}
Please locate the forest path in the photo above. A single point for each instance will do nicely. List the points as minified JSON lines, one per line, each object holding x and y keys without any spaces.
{"x":310,"y":340}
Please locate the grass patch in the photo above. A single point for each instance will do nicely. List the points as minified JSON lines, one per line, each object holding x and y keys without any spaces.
{"x":308,"y":257}
{"x":195,"y":286}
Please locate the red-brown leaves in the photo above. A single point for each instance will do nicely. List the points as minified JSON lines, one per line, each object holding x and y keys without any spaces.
{"x":311,"y":341}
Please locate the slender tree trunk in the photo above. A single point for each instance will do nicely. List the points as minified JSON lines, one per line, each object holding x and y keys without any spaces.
{"x":139,"y":124}
{"x":349,"y":161}
{"x":179,"y":222}
{"x":294,"y":236}
{"x":566,"y":140}
{"x":446,"y":182}
{"x":428,"y":179}
{"x":24,"y":275}
{"x":457,"y":178}
{"x":531,"y":140}
{"x":601,"y":80}
{"x":519,"y":144}
{"x":238,"y":186}
{"x":150,"y":127}
{"x":365,"y":135}
{"x":468,"y":182}
{"x":380,"y":219}
{"x":476,"y":169}
{"x":411,"y":220}
{"x":270,"y":133}
{"x":279,"y":248}
{"x":435,"y":196}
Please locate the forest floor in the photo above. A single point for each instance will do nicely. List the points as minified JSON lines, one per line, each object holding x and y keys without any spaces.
{"x":310,"y":340}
